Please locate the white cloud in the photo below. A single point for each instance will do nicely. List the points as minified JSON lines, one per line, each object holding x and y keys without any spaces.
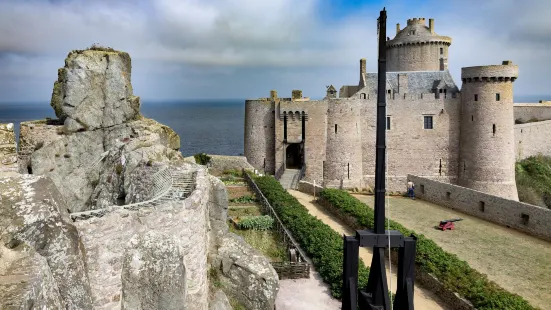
{"x":244,"y":47}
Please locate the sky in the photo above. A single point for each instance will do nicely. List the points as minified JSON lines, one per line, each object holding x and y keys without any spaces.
{"x":211,"y":49}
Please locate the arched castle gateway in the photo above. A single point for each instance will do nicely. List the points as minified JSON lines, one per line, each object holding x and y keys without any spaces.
{"x":466,"y":137}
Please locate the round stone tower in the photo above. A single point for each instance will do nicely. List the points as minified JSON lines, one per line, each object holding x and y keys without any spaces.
{"x":343,"y":157}
{"x":259,"y":133}
{"x":417,"y":48}
{"x":486,"y":156}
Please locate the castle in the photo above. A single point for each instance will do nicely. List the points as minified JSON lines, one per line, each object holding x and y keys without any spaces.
{"x":435,"y":130}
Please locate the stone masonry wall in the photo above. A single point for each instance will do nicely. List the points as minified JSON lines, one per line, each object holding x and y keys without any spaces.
{"x":526,"y":112}
{"x":259,"y":134}
{"x":532,"y":139}
{"x":514,"y":214}
{"x":188,"y":221}
{"x":314,"y":146}
{"x":343,"y":159}
{"x":416,"y":57}
{"x":487,"y":158}
{"x":411,"y":149}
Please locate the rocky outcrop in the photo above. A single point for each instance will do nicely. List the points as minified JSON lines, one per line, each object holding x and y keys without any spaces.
{"x":33,"y":215}
{"x":94,"y":90}
{"x":246,"y":274}
{"x":8,"y":150}
{"x":219,"y":163}
{"x":100,"y":138}
{"x":153,"y":274}
{"x":220,"y":302}
{"x":101,"y":153}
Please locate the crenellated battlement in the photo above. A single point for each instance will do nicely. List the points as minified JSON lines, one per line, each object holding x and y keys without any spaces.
{"x":416,"y":21}
{"x":493,"y":73}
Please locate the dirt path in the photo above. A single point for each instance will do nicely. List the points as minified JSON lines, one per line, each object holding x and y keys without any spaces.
{"x":423,"y":299}
{"x":516,"y":261}
{"x":305,"y":294}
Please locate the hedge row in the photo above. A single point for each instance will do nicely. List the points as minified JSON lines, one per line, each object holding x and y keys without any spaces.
{"x":321,"y":243}
{"x":454,"y":273}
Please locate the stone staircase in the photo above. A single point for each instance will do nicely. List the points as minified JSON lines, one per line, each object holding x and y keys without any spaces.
{"x":289,"y":178}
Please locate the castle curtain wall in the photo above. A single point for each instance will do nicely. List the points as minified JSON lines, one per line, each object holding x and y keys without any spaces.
{"x":412,"y":149}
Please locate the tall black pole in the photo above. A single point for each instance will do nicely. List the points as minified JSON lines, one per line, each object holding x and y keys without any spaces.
{"x":380,"y":156}
{"x":377,"y":287}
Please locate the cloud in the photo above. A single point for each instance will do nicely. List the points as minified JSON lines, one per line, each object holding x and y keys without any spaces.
{"x":244,"y":48}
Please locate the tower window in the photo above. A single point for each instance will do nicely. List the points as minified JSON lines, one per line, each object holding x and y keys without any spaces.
{"x":475,"y":97}
{"x":388,"y":91}
{"x":494,"y":129}
{"x":472,"y":118}
{"x":335,"y":128}
{"x":388,"y":123}
{"x":497,"y":97}
{"x":428,"y":122}
{"x":441,"y":51}
{"x":349,"y":171}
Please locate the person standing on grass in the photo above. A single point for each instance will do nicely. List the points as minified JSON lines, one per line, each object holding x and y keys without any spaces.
{"x":411,"y":188}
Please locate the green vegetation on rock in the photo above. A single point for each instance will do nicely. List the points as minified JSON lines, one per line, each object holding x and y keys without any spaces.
{"x":455,"y":274}
{"x":264,"y":222}
{"x":533,"y":178}
{"x":201,"y":158}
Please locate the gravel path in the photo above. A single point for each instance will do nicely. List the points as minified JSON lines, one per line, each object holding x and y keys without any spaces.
{"x":294,"y":296}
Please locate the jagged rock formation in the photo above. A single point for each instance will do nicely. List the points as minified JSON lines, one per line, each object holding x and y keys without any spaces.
{"x":94,"y":91}
{"x":100,"y":137}
{"x":33,"y":217}
{"x":8,"y":150}
{"x":99,"y":154}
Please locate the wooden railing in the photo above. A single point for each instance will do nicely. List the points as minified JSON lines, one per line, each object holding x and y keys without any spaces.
{"x":285,"y":270}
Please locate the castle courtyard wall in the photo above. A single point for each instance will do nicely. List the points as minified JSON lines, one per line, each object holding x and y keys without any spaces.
{"x":532,"y":139}
{"x":527,"y":112}
{"x":514,"y":214}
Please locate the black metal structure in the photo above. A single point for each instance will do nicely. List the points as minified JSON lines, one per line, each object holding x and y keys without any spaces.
{"x":375,"y":296}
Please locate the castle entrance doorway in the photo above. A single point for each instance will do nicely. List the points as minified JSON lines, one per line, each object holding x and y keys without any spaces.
{"x":293,"y":156}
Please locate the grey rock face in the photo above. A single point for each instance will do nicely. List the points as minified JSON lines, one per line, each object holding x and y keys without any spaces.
{"x":220,"y":302}
{"x":92,"y":168}
{"x":26,"y":281}
{"x":8,"y":150}
{"x":94,"y":90}
{"x":153,"y":274}
{"x":33,"y":214}
{"x":247,"y":274}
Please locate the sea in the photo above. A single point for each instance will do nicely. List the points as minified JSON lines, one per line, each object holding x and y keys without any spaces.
{"x":209,"y":126}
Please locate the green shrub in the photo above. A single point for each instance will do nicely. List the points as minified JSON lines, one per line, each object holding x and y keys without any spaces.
{"x":263,"y":222}
{"x":233,"y":172}
{"x":244,"y":199}
{"x":320,"y":242}
{"x":202,"y":158}
{"x":454,"y":273}
{"x":533,"y":179}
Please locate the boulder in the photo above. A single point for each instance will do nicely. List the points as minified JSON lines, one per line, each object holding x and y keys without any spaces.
{"x":8,"y":150}
{"x":153,"y":274}
{"x":220,"y":302}
{"x":93,"y":90}
{"x":219,"y":163}
{"x":246,"y":274}
{"x":26,"y":281}
{"x":33,"y":213}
